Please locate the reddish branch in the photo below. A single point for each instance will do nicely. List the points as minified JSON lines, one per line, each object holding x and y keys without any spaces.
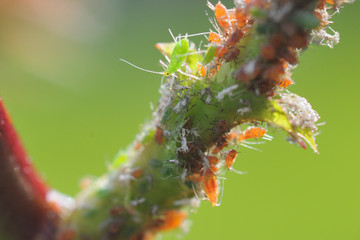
{"x":23,"y":207}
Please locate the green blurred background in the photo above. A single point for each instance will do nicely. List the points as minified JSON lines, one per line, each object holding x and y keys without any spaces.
{"x":75,"y":105}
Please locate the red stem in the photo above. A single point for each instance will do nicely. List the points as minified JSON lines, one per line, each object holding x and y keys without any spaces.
{"x":23,"y":207}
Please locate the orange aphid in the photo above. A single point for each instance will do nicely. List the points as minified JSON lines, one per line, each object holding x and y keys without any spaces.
{"x":284,"y":83}
{"x":232,"y":17}
{"x":268,"y":52}
{"x":230,"y":158}
{"x":234,"y":38}
{"x":202,"y":70}
{"x":253,"y":132}
{"x":196,"y":177}
{"x":213,"y":160}
{"x":85,"y":182}
{"x":274,"y":72}
{"x":217,"y":149}
{"x":221,"y":51}
{"x":137,"y":173}
{"x":137,"y":145}
{"x":54,"y":206}
{"x":231,"y":136}
{"x":222,"y":17}
{"x":210,"y":186}
{"x":241,"y":17}
{"x":159,"y":136}
{"x":214,"y":38}
{"x":172,"y":220}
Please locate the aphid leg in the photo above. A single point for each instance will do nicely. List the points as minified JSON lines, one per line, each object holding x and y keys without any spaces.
{"x":189,"y":75}
{"x":247,"y":146}
{"x":237,"y":171}
{"x":172,"y":35}
{"x":222,"y":192}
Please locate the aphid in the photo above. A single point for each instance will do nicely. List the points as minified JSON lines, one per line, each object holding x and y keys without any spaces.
{"x":220,"y":145}
{"x":210,"y":186}
{"x":284,"y":83}
{"x":159,"y":136}
{"x":274,"y":72}
{"x":177,"y":59}
{"x":137,"y":173}
{"x":214,"y":38}
{"x":231,"y":136}
{"x":210,"y":54}
{"x":252,"y":132}
{"x":137,"y":145}
{"x":221,"y":126}
{"x":172,"y":220}
{"x":230,"y":158}
{"x":234,"y":38}
{"x":222,"y":17}
{"x":231,"y":54}
{"x":248,"y":71}
{"x":196,"y":177}
{"x":202,"y":70}
{"x":289,"y":56}
{"x":241,"y":17}
{"x":221,"y":51}
{"x":213,"y":161}
{"x":116,"y":210}
{"x":268,"y":52}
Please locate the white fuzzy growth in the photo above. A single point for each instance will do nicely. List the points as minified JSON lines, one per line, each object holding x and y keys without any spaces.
{"x":322,"y":37}
{"x":184,"y":148}
{"x":137,"y":201}
{"x":65,"y":202}
{"x":245,"y":107}
{"x":227,"y":92}
{"x":299,"y":111}
{"x":181,"y":105}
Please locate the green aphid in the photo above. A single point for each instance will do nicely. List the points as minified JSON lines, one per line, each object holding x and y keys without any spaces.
{"x":178,"y":56}
{"x":177,"y":59}
{"x":210,"y":54}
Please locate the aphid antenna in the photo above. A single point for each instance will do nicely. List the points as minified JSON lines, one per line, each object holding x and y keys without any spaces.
{"x":316,"y":134}
{"x":213,"y":22}
{"x":140,"y":68}
{"x":252,"y":143}
{"x":199,"y":48}
{"x":164,"y":65}
{"x":210,"y":5}
{"x":247,"y":146}
{"x":222,"y":192}
{"x":267,"y":137}
{"x":237,"y":171}
{"x":320,"y":124}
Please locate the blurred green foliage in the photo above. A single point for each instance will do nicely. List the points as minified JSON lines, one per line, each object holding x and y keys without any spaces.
{"x":75,"y":105}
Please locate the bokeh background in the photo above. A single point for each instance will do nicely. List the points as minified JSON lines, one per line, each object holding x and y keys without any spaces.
{"x":75,"y":105}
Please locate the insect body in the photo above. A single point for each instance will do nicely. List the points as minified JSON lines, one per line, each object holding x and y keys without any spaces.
{"x":230,"y":158}
{"x":178,"y":56}
{"x":210,"y":186}
{"x":253,"y":132}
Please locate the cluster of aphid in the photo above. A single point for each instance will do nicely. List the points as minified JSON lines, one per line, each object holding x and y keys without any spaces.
{"x":287,"y":28}
{"x":218,"y":158}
